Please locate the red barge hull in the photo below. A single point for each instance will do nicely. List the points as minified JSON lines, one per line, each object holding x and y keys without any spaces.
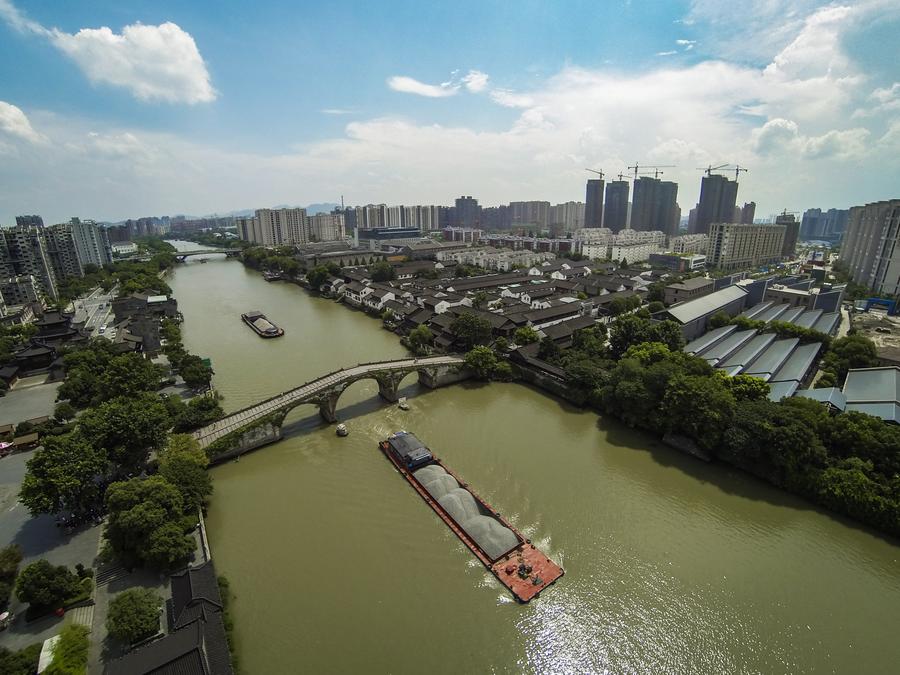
{"x":524,"y":570}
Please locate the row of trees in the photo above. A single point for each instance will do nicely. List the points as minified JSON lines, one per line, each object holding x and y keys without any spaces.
{"x":849,"y":463}
{"x":278,"y":259}
{"x":150,"y":517}
{"x":132,"y":276}
{"x":195,"y":372}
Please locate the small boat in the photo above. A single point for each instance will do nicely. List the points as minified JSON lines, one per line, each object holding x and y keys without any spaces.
{"x":402,"y":404}
{"x":341,"y":430}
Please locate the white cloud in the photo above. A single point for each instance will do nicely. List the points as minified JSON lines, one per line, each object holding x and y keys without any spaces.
{"x":154,"y":63}
{"x":475,"y":81}
{"x":15,"y":123}
{"x":409,"y":85}
{"x":669,"y":53}
{"x":511,"y":99}
{"x":781,"y":136}
{"x":336,"y":111}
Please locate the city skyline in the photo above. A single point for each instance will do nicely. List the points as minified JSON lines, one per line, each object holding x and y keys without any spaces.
{"x":168,"y":110}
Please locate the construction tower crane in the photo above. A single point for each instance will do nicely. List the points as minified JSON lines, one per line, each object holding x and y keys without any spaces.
{"x":709,"y":169}
{"x":637,"y":167}
{"x":737,"y":170}
{"x":599,"y":173}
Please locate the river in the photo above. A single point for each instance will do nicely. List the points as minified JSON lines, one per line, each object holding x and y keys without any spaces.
{"x":672,"y":565}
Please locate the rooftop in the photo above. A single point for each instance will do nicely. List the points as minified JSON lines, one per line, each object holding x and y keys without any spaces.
{"x":691,"y":310}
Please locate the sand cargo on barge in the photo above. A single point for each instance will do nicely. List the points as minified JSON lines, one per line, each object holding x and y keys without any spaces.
{"x":261,"y":325}
{"x":500,"y":547}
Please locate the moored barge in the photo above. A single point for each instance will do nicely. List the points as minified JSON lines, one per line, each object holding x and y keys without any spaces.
{"x":516,"y":563}
{"x":261,"y":325}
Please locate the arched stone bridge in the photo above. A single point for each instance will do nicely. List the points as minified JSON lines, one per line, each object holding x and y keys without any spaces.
{"x":229,"y":252}
{"x":260,"y":424}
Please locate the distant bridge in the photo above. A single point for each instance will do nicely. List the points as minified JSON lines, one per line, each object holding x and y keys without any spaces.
{"x":260,"y":424}
{"x":229,"y":252}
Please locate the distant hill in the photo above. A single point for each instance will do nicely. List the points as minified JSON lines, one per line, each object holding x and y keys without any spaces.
{"x":326,"y":207}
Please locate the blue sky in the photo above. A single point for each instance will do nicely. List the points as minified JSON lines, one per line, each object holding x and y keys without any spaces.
{"x":112,"y":110}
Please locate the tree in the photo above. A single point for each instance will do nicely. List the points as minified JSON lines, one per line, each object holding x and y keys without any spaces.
{"x":128,"y":375}
{"x":482,"y":361}
{"x":627,"y":331}
{"x":420,"y":340}
{"x":383,"y":271}
{"x":145,"y":523}
{"x":22,"y":662}
{"x":479,"y":299}
{"x":584,"y":373}
{"x":10,"y":557}
{"x":129,"y":428}
{"x":719,"y":319}
{"x":134,"y":614}
{"x":317,"y":276}
{"x":548,"y":350}
{"x":698,"y":407}
{"x":526,"y":335}
{"x":44,"y":585}
{"x":64,"y":475}
{"x":745,"y":387}
{"x":196,"y":413}
{"x":470,"y":330}
{"x":852,"y":351}
{"x":195,"y":372}
{"x":656,"y":306}
{"x":64,"y":411}
{"x":183,"y":463}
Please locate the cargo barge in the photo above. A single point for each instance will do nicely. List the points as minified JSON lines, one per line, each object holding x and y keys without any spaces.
{"x":516,"y":563}
{"x":261,"y":325}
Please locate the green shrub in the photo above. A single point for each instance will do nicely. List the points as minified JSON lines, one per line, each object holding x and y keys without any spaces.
{"x":70,"y":654}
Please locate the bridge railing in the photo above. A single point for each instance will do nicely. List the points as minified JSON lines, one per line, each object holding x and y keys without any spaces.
{"x":421,"y":361}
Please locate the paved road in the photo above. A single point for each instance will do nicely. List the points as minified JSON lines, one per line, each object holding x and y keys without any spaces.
{"x":95,"y":310}
{"x":241,"y":418}
{"x":39,"y":538}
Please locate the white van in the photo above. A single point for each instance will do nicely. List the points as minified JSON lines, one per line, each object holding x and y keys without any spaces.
{"x":102,"y":329}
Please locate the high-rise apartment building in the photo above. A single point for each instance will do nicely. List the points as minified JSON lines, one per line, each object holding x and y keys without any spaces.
{"x":91,"y":243}
{"x":532,"y":214}
{"x":569,"y":216}
{"x":829,"y":225}
{"x":466,"y":212}
{"x":326,"y":227}
{"x":24,"y":252}
{"x":615,"y":211}
{"x":654,"y":206}
{"x":737,"y":246}
{"x":30,"y":221}
{"x":871,"y":246}
{"x":291,"y":227}
{"x":282,"y":226}
{"x":791,"y":234}
{"x":62,"y":251}
{"x":717,"y":200}
{"x":748,"y":213}
{"x":593,"y":203}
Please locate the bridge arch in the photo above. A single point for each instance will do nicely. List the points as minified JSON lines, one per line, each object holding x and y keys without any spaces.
{"x":261,"y":423}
